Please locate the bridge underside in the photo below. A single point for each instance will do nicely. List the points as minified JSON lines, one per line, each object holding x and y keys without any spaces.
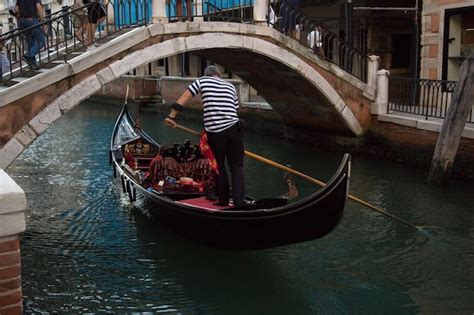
{"x":290,"y":94}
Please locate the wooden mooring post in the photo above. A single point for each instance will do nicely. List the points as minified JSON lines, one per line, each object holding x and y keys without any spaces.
{"x":453,"y":125}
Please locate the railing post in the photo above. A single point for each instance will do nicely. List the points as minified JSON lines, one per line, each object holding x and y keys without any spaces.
{"x":372,"y":68}
{"x":381,"y":100}
{"x":198,"y":16}
{"x":159,"y":11}
{"x":260,"y":9}
{"x":12,"y":223}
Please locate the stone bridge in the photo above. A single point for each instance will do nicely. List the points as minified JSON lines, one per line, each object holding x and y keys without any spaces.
{"x":304,"y":89}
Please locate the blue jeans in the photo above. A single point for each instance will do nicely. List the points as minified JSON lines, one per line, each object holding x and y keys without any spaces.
{"x":35,"y":37}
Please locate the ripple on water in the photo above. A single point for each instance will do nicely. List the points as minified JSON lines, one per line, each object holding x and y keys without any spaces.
{"x":87,"y":249}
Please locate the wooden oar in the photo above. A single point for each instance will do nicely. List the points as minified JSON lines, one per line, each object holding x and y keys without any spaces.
{"x":309,"y":178}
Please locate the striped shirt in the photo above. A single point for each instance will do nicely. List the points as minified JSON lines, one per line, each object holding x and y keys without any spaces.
{"x":219,"y":101}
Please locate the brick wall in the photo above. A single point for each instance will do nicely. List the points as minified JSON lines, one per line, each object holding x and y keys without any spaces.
{"x":416,"y":147}
{"x":10,"y":276}
{"x":432,"y":34}
{"x":12,"y":222}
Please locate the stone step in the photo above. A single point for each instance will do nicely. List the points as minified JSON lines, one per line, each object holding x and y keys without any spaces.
{"x":20,"y":79}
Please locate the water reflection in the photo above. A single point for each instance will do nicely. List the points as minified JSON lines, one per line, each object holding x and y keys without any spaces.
{"x":87,"y":249}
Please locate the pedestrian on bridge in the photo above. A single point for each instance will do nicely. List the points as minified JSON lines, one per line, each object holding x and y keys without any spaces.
{"x":30,"y":13}
{"x":224,"y":131}
{"x":4,"y":61}
{"x":290,"y":14}
{"x":315,"y":40}
{"x":96,"y":13}
{"x":80,"y":20}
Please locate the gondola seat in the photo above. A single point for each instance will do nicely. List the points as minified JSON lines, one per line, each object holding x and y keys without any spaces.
{"x":163,"y":167}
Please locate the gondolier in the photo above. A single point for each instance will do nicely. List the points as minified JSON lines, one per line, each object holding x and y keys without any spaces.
{"x":224,"y":131}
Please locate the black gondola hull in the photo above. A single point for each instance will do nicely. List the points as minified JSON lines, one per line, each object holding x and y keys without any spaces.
{"x":257,"y":227}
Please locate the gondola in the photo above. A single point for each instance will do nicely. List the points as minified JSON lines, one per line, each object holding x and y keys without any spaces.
{"x":184,"y":203}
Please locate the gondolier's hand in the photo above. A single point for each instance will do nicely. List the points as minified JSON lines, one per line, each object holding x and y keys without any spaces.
{"x":170,"y":121}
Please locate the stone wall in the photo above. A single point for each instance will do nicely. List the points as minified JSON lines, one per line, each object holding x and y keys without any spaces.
{"x":12,"y":222}
{"x":404,"y":144}
{"x":415,"y":147}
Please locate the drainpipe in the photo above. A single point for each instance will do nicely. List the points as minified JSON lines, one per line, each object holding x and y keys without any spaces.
{"x":349,"y":22}
{"x":349,"y":37}
{"x":260,"y":8}
{"x":159,"y":11}
{"x":417,"y":41}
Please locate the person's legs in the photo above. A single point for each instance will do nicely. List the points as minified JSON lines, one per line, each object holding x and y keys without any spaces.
{"x":83,"y":27}
{"x":93,"y":15}
{"x":91,"y":32}
{"x":102,"y":18}
{"x":33,"y":45}
{"x":40,"y":39}
{"x":217,"y":142}
{"x":28,"y":36}
{"x":235,"y":158}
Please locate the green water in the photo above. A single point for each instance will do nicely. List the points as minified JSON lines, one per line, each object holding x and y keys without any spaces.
{"x":87,"y":249}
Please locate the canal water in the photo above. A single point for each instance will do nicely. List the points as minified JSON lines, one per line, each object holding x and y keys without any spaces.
{"x":87,"y":249}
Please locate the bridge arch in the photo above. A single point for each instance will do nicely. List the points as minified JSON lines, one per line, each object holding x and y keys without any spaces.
{"x":315,"y":102}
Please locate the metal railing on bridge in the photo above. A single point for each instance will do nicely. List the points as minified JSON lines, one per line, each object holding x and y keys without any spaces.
{"x":421,"y":97}
{"x":61,"y":42}
{"x":284,"y":18}
{"x":239,"y":11}
{"x":318,"y":38}
{"x":65,"y":32}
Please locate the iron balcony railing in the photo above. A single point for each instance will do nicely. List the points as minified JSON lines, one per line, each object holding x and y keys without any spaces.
{"x":421,"y":97}
{"x":66,"y":32}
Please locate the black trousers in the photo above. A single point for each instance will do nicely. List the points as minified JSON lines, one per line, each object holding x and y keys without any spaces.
{"x":229,"y":144}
